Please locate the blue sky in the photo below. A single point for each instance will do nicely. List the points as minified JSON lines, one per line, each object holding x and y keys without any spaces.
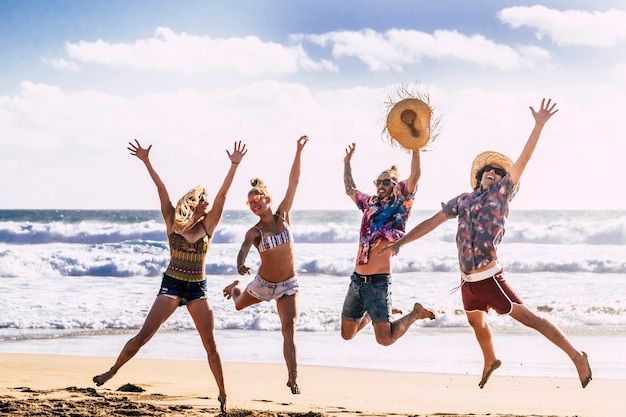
{"x":82,"y":78}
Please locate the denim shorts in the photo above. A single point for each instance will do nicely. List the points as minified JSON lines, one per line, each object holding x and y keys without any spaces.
{"x":372,"y":296}
{"x":187,"y":291}
{"x":266,"y":291}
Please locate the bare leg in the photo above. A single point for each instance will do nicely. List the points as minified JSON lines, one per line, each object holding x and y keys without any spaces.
{"x":482,"y":331}
{"x":364,"y":322}
{"x":162,"y":308}
{"x":238,"y":294}
{"x":525,"y":316}
{"x":202,"y":315}
{"x":388,"y":332}
{"x":350,"y":328}
{"x":288,"y":311}
{"x":367,"y":319}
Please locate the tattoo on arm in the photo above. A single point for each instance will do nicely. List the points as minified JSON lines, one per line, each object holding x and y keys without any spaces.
{"x":348,"y":180}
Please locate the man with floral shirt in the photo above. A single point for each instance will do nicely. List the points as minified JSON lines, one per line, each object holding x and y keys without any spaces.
{"x":481,"y":217}
{"x":384,"y":218}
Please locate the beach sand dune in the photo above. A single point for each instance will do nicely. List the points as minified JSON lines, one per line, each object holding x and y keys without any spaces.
{"x":55,"y":385}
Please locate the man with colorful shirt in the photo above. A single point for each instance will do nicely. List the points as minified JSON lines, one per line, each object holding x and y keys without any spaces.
{"x":481,"y":216}
{"x":384,"y":218}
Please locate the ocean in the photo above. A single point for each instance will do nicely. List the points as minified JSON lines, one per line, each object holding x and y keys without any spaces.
{"x":81,"y":282}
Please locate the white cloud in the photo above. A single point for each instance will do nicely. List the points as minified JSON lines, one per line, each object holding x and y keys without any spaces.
{"x":395,"y":48}
{"x":620,"y":70}
{"x":570,"y":27}
{"x":535,"y":57}
{"x":59,"y":136}
{"x":62,"y":142}
{"x":62,"y":64}
{"x":187,"y":54}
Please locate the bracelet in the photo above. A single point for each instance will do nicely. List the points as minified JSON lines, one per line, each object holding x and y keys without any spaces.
{"x":236,"y":163}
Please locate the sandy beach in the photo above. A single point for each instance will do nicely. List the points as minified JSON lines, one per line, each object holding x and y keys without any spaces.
{"x":53,"y":385}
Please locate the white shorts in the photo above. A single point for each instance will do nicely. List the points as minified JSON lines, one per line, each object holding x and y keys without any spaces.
{"x":266,"y":291}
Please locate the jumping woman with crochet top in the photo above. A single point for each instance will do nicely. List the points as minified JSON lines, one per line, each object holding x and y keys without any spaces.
{"x":276,"y":277}
{"x":189,"y":227}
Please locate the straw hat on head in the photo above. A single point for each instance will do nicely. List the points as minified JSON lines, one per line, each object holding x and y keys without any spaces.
{"x":489,"y":158}
{"x":409,"y":123}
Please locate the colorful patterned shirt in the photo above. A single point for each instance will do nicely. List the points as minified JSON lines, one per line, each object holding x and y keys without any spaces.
{"x":482,"y":215}
{"x":384,"y":219}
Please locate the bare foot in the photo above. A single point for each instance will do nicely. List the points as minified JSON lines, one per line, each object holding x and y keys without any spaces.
{"x":423,"y":313}
{"x":291,"y":383}
{"x":583,"y":368}
{"x":222,"y":400}
{"x":488,"y":371}
{"x":102,"y":378}
{"x":295,"y":389}
{"x":228,"y":291}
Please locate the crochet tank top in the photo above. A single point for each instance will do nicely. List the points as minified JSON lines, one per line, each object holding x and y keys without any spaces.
{"x":187,"y":258}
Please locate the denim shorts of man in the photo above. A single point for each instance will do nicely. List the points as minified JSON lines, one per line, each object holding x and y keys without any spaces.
{"x":368,"y":293}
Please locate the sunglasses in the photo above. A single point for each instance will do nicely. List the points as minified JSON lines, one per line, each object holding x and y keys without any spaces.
{"x":386,"y":182}
{"x":254,"y":199}
{"x":498,"y":171}
{"x":204,"y":198}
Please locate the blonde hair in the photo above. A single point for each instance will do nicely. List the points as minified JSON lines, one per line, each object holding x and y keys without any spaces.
{"x":186,"y":207}
{"x":393,"y":172}
{"x":258,"y":187}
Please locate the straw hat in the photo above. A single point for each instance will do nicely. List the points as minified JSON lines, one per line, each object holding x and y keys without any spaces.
{"x":489,"y":158}
{"x":409,"y":124}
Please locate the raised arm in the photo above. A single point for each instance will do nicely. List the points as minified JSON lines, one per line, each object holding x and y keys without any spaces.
{"x":294,"y":177}
{"x":417,"y":232}
{"x":348,"y":181}
{"x":215,"y":214}
{"x":541,"y":117}
{"x":416,"y":171}
{"x":167,"y":210}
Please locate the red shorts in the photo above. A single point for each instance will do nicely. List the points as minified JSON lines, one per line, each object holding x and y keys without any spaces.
{"x":489,"y":293}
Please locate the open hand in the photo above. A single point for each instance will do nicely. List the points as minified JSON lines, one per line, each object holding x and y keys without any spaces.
{"x":136,"y":150}
{"x":545,"y":112}
{"x":349,"y":152}
{"x":239,"y":150}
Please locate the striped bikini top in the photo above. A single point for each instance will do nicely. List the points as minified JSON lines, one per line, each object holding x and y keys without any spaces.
{"x":270,"y":242}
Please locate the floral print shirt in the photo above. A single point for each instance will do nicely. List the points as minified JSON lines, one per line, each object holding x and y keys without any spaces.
{"x":482,"y":214}
{"x":384,"y":219}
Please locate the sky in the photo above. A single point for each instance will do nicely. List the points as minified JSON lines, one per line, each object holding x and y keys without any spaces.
{"x":80,"y":79}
